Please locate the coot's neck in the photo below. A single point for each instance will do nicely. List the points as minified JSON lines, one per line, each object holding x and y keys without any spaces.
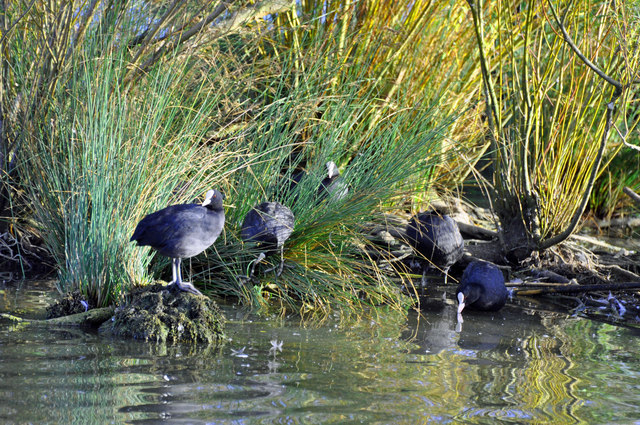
{"x":215,"y":205}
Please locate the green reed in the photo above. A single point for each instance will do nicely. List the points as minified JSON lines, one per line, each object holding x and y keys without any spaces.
{"x":103,"y":157}
{"x":304,"y":122}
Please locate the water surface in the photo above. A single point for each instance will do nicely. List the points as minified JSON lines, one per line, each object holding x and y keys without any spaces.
{"x":517,"y":366}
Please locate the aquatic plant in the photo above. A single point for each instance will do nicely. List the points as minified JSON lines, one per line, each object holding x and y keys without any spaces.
{"x":97,"y":154}
{"x":299,"y":121}
{"x":550,"y":110}
{"x":106,"y":159}
{"x":405,"y":48}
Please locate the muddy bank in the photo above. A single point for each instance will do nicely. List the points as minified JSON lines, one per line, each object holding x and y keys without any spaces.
{"x":585,"y":274}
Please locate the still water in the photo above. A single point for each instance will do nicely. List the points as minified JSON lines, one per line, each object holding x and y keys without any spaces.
{"x":517,"y":366}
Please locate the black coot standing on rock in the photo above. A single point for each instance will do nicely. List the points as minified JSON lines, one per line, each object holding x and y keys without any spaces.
{"x":481,"y":287}
{"x":182,"y":231}
{"x":437,"y":238}
{"x":269,"y":225}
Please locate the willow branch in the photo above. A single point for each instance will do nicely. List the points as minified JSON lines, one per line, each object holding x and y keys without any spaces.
{"x":547,"y":243}
{"x":490,"y":96}
{"x":609,"y":123}
{"x":8,"y":31}
{"x":82,"y":28}
{"x":184,"y":36}
{"x":578,"y":53}
{"x":151,"y":33}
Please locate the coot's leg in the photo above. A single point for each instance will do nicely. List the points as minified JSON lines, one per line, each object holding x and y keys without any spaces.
{"x":446,"y":274}
{"x":177,"y":280}
{"x":256,"y":261}
{"x":175,"y":269}
{"x":423,"y":281}
{"x":281,"y":267}
{"x":461,"y":303}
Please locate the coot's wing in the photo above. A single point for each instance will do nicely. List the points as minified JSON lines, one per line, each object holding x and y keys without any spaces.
{"x":269,"y":223}
{"x":169,"y":224}
{"x":420,"y":234}
{"x":282,"y":223}
{"x":450,"y":241}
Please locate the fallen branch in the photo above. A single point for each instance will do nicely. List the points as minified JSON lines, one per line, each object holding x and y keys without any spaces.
{"x":476,"y":232}
{"x":556,"y":288}
{"x":94,"y":317}
{"x":614,"y":222}
{"x":620,"y":271}
{"x":631,"y":194}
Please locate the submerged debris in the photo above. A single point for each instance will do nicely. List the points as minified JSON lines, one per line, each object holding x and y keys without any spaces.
{"x":166,"y":314}
{"x":71,"y":303}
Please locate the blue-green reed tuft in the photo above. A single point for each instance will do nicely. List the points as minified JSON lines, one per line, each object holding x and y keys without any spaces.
{"x":105,"y":157}
{"x":300,"y":127}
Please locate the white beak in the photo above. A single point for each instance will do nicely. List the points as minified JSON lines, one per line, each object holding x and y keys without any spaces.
{"x":460,"y":302}
{"x":207,"y":198}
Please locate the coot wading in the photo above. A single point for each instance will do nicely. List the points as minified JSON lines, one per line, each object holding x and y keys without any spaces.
{"x":481,"y":287}
{"x":438,"y":239}
{"x":268,"y":225}
{"x":182,"y":231}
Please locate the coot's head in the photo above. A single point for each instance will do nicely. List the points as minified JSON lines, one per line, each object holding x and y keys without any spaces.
{"x":332,"y":170}
{"x":213,"y":200}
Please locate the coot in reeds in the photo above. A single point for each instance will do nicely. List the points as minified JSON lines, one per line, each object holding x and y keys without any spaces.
{"x":182,"y":231}
{"x":481,"y":287}
{"x":269,"y":225}
{"x":333,"y":186}
{"x":437,"y":238}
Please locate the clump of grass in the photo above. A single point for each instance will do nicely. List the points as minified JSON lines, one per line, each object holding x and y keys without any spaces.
{"x":103,"y":157}
{"x":413,"y":53}
{"x":303,"y":124}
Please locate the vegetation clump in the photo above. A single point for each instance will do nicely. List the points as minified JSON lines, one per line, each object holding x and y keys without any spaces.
{"x":71,"y":303}
{"x":166,"y":314}
{"x":112,"y":115}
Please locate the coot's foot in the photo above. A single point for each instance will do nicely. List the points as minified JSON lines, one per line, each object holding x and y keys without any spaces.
{"x":254,"y":263}
{"x":187,"y":287}
{"x":279,"y":268}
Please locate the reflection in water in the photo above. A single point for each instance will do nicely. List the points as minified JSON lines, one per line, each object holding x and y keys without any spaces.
{"x":513,"y":366}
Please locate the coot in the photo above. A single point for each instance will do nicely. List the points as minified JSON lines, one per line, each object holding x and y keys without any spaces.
{"x":333,"y":186}
{"x":437,"y":238}
{"x":481,"y":287}
{"x":269,"y":225}
{"x":182,"y":231}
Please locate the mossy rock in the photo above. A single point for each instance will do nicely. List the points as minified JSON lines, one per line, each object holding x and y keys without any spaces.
{"x":167,"y":314}
{"x":71,"y":303}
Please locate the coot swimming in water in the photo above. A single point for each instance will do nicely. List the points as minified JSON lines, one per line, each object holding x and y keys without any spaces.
{"x":437,"y":238}
{"x":182,"y":231}
{"x":269,"y":225}
{"x":333,"y":186}
{"x":481,"y":287}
